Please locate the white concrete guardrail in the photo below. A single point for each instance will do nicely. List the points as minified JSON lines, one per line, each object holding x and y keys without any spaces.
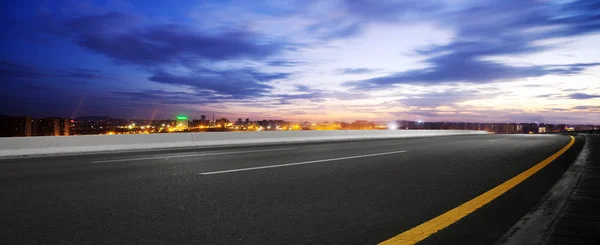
{"x":59,"y":145}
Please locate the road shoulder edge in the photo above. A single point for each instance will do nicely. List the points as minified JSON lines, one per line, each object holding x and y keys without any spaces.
{"x":535,"y":226}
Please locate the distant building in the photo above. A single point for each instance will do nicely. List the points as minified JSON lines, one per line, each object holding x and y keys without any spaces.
{"x":530,"y":128}
{"x":96,"y":125}
{"x":200,"y":123}
{"x":182,"y":122}
{"x":403,"y":124}
{"x":66,"y":127}
{"x":306,"y":126}
{"x":222,"y":123}
{"x":49,"y":126}
{"x":16,"y":127}
{"x":274,"y":124}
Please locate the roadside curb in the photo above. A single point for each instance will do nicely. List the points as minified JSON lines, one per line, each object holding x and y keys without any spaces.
{"x":535,"y":226}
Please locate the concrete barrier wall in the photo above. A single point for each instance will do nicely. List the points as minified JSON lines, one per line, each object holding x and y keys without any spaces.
{"x":24,"y":146}
{"x":56,"y":145}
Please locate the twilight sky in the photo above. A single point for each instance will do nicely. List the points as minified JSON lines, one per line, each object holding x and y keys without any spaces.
{"x":454,"y":60}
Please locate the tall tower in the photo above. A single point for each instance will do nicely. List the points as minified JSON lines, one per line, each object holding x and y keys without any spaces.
{"x":66,"y":126}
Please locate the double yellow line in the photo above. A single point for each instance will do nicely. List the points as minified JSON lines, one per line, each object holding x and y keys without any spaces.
{"x":438,"y":223}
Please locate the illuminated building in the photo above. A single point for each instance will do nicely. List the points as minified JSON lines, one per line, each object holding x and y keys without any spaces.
{"x":66,"y":127}
{"x":222,"y":123}
{"x":182,"y":122}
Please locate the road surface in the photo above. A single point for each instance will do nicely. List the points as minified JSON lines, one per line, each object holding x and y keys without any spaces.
{"x":358,"y":192}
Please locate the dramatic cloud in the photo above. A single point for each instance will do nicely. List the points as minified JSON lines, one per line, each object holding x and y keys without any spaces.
{"x":241,"y":83}
{"x":302,"y":88}
{"x":11,"y":71}
{"x":382,"y":10}
{"x":356,"y":70}
{"x":586,"y":108}
{"x":499,"y":30}
{"x":336,"y":29}
{"x":453,"y":69}
{"x":583,"y":96}
{"x":546,"y":95}
{"x":306,"y":60}
{"x":161,"y":97}
{"x":285,"y":63}
{"x":117,"y":35}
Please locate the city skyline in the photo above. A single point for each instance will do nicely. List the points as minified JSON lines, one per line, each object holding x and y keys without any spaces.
{"x":453,"y":61}
{"x":54,"y":126}
{"x":211,"y":118}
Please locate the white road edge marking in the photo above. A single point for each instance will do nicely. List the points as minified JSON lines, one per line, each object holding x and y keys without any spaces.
{"x":498,"y":139}
{"x":192,"y":155}
{"x":299,"y":163}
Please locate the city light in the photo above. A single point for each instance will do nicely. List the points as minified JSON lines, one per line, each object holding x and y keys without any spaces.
{"x":392,"y":126}
{"x":120,"y":126}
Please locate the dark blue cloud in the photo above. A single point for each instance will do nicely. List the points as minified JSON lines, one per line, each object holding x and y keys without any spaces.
{"x":382,"y":10}
{"x":118,"y":36}
{"x":356,"y":70}
{"x":574,"y":89}
{"x":456,"y":68}
{"x":335,"y":29}
{"x":302,"y":88}
{"x":307,"y":93}
{"x":583,"y":96}
{"x":586,"y":108}
{"x":571,"y":69}
{"x":242,"y":83}
{"x":492,"y":28}
{"x":162,"y":97}
{"x":546,"y":96}
{"x":363,"y":12}
{"x":577,"y":17}
{"x":14,"y":71}
{"x":285,"y":63}
{"x":73,"y":92}
{"x":287,"y":99}
{"x":344,"y":31}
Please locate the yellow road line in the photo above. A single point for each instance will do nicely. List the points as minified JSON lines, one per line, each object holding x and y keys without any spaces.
{"x":436,"y":224}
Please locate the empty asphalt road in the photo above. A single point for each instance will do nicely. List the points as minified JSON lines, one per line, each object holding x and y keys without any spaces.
{"x":359,"y":192}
